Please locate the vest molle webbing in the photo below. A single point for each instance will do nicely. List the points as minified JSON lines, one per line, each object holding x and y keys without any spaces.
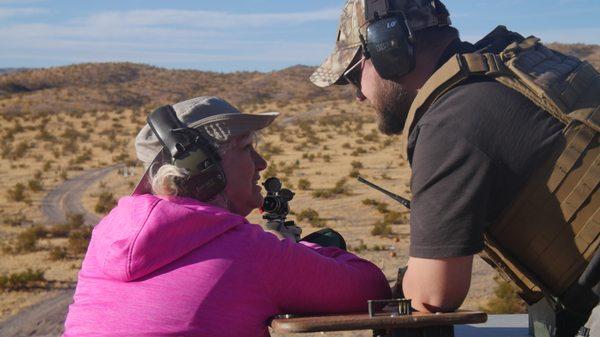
{"x":546,"y":238}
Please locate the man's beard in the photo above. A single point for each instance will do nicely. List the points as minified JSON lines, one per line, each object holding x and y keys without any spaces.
{"x":392,"y":104}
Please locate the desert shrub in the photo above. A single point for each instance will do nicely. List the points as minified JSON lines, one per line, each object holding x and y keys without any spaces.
{"x":106,"y":202}
{"x":346,"y":146}
{"x":505,"y":300}
{"x":20,"y":150}
{"x":72,"y":135}
{"x":286,"y":169}
{"x":327,"y":158}
{"x":22,"y":280}
{"x":121,"y":158}
{"x":381,"y":229}
{"x":15,"y":220}
{"x":64,"y":174}
{"x":28,"y":239}
{"x":372,"y":137}
{"x":270,"y":149}
{"x":370,"y":202}
{"x":84,"y":156}
{"x":354,"y":173}
{"x":339,"y":188}
{"x":35,"y":185}
{"x":6,"y":150}
{"x":59,"y":231}
{"x":79,"y":241}
{"x":392,"y":217}
{"x":17,"y":193}
{"x":75,"y":220}
{"x":309,"y":156}
{"x":46,"y":136}
{"x":380,"y":206}
{"x":387,"y":142}
{"x":358,"y":151}
{"x":311,"y":216}
{"x":303,"y":184}
{"x":361,"y":247}
{"x":271,"y":171}
{"x":57,"y":253}
{"x":357,"y":164}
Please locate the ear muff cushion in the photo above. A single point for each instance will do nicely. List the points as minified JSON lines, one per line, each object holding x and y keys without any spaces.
{"x":388,"y":47}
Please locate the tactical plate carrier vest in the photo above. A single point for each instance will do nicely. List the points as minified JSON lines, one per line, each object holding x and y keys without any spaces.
{"x":546,"y":239}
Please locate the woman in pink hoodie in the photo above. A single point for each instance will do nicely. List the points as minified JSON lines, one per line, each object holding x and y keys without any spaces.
{"x":164,"y":263}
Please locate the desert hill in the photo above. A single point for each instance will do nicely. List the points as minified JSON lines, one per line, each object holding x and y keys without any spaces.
{"x":109,"y":86}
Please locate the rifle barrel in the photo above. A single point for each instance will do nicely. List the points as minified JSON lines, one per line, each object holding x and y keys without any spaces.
{"x":396,"y":197}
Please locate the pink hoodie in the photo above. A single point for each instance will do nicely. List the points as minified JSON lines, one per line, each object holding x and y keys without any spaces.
{"x":179,"y":267}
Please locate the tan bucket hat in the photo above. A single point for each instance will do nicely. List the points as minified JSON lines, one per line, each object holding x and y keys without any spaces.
{"x":215,"y":118}
{"x":420,"y":14}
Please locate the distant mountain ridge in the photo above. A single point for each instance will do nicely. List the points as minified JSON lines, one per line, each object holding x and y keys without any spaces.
{"x":10,"y":70}
{"x":109,"y":86}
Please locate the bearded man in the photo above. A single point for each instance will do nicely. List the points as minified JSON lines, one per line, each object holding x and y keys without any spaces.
{"x":471,"y":149}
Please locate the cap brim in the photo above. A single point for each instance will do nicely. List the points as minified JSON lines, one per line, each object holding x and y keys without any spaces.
{"x":332,"y":69}
{"x":237,"y":124}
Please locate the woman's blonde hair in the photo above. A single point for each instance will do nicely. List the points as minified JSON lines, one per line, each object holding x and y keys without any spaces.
{"x":170,"y":180}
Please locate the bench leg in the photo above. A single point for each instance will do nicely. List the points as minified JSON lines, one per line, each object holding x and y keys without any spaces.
{"x":433,"y":331}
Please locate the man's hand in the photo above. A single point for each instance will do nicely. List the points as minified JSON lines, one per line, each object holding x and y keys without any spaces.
{"x":437,"y":285}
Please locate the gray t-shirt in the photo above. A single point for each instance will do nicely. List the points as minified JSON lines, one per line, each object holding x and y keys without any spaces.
{"x":470,"y":153}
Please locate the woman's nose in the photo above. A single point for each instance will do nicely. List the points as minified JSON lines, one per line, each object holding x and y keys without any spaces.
{"x":259,"y":162}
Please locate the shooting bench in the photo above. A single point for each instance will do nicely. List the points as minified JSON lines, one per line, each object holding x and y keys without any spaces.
{"x":386,"y":322}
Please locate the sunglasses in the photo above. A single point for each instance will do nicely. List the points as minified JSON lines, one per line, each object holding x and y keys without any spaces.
{"x":353,"y":74}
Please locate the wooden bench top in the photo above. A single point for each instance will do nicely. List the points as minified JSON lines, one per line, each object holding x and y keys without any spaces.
{"x":363,"y":321}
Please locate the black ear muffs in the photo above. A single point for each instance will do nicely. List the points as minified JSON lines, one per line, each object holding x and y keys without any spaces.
{"x":388,"y":45}
{"x":189,"y":150}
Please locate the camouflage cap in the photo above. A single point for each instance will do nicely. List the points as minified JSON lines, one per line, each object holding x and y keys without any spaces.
{"x":420,"y":14}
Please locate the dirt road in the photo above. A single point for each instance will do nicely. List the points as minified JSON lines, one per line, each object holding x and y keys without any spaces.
{"x":46,"y":319}
{"x":66,"y":197}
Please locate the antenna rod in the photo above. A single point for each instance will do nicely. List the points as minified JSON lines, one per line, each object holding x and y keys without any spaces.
{"x":396,"y":197}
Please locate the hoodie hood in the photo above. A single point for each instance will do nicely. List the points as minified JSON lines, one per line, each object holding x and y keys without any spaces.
{"x":146,"y":232}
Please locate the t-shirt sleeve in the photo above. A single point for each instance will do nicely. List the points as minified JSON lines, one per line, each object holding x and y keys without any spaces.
{"x":451,"y":186}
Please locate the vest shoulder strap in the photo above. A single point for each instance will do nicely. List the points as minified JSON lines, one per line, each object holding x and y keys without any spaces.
{"x":455,"y":71}
{"x":557,"y":83}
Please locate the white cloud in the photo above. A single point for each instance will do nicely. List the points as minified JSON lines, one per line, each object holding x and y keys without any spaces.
{"x":168,"y":38}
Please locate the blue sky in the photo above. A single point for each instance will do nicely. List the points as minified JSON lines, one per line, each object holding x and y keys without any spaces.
{"x":231,"y":35}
